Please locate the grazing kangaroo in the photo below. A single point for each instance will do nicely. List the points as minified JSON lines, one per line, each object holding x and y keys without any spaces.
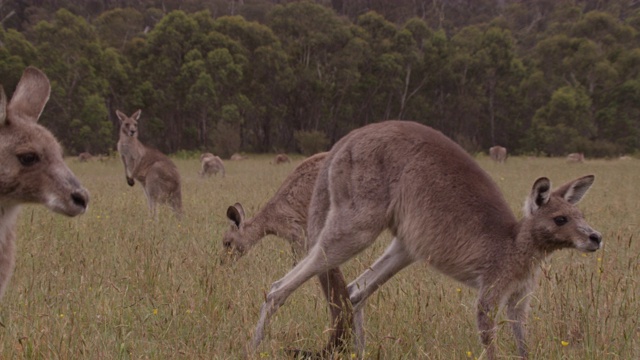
{"x":285,"y":215}
{"x":32,"y":170}
{"x":84,"y":157}
{"x":441,"y":207}
{"x":210,"y":164}
{"x":154,"y":170}
{"x":575,"y":158}
{"x":498,"y":154}
{"x":281,"y":159}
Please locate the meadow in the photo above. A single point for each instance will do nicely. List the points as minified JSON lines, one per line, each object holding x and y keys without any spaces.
{"x":116,"y":284}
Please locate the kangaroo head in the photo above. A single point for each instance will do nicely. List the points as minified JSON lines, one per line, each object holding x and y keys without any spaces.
{"x":129,"y":125}
{"x":234,"y":240}
{"x":33,"y":169}
{"x":553,"y":219}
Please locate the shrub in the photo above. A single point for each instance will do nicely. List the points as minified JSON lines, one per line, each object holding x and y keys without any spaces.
{"x":311,"y":142}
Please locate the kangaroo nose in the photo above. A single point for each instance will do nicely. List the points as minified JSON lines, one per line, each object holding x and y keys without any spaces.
{"x":596,"y":238}
{"x":80,"y":198}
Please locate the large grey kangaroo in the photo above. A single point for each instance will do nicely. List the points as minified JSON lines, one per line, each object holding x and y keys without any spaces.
{"x":441,"y":207}
{"x":32,"y":169}
{"x":154,"y":170}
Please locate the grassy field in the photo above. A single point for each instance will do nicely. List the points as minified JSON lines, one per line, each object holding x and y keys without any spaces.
{"x":114,"y":284}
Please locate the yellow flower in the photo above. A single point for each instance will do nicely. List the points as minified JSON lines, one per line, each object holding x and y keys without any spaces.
{"x":469,"y":354}
{"x":459,"y":290}
{"x":155,"y":311}
{"x":564,"y":343}
{"x":61,"y":316}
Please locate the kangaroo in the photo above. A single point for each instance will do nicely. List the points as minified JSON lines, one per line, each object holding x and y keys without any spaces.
{"x":281,"y":159}
{"x":158,"y":175}
{"x":498,"y":154}
{"x":33,"y":170}
{"x":575,"y":158}
{"x":84,"y":157}
{"x":285,"y":215}
{"x":211,"y":164}
{"x":441,"y":207}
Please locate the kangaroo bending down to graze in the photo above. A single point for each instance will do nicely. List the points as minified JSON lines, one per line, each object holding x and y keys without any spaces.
{"x":285,"y":215}
{"x":441,"y":207}
{"x":84,"y":157}
{"x":158,"y":175}
{"x":281,"y":159}
{"x":498,"y":154}
{"x":211,"y":164}
{"x":575,"y":158}
{"x":32,"y":169}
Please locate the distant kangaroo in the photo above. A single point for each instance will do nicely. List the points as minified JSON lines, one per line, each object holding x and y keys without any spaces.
{"x":154,"y":170}
{"x":32,"y":169}
{"x":498,"y":154}
{"x":441,"y":207}
{"x":285,"y":215}
{"x":210,"y":165}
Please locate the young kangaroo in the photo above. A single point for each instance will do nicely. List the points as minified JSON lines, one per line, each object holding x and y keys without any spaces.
{"x":154,"y":170}
{"x":442,"y":208}
{"x":285,"y":215}
{"x":32,"y":170}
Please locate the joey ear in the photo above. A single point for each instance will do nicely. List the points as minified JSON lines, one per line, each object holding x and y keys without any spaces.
{"x":3,"y":107}
{"x":136,"y":115}
{"x":30,"y":96}
{"x":235,"y":213}
{"x":574,"y":191}
{"x":539,"y":196}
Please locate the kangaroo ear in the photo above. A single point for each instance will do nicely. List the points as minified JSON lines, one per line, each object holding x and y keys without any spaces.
{"x":3,"y":107}
{"x":121,"y":116}
{"x":136,"y":115}
{"x":235,"y":213}
{"x":31,"y":95}
{"x":540,"y":194}
{"x":574,"y":191}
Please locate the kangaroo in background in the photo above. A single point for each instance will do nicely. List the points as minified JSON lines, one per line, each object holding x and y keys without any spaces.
{"x":154,"y":170}
{"x":210,"y":165}
{"x":285,"y":215}
{"x":32,"y":169}
{"x":498,"y":154}
{"x":441,"y":207}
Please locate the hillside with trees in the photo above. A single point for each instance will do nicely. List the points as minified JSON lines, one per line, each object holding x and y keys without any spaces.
{"x":540,"y":77}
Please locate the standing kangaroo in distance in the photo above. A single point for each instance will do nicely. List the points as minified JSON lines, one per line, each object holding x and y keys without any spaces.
{"x":285,"y":215}
{"x":158,"y":175}
{"x":32,"y":169}
{"x":441,"y":207}
{"x":498,"y":154}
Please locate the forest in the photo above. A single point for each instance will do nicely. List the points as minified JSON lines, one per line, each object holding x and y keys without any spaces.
{"x":540,"y":77}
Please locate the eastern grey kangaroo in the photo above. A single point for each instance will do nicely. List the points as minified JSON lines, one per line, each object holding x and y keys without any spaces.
{"x":154,"y":170}
{"x":285,"y":215}
{"x":32,"y":169}
{"x":442,"y":208}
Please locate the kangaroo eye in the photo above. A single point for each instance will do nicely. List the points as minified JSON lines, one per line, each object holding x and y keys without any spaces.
{"x":28,"y":159}
{"x":560,"y":220}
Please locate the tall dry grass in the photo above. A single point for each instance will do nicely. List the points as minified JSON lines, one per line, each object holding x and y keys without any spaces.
{"x":114,"y":284}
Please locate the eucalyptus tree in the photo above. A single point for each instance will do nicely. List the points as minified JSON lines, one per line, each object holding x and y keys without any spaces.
{"x":70,"y":54}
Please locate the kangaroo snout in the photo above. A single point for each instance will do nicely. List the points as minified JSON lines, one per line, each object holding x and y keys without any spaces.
{"x":596,"y":239}
{"x":80,"y":198}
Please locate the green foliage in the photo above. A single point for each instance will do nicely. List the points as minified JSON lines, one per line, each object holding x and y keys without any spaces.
{"x":521,"y":74}
{"x":311,"y":142}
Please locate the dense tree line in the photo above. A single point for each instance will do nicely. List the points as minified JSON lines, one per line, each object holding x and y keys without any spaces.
{"x":539,"y":77}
